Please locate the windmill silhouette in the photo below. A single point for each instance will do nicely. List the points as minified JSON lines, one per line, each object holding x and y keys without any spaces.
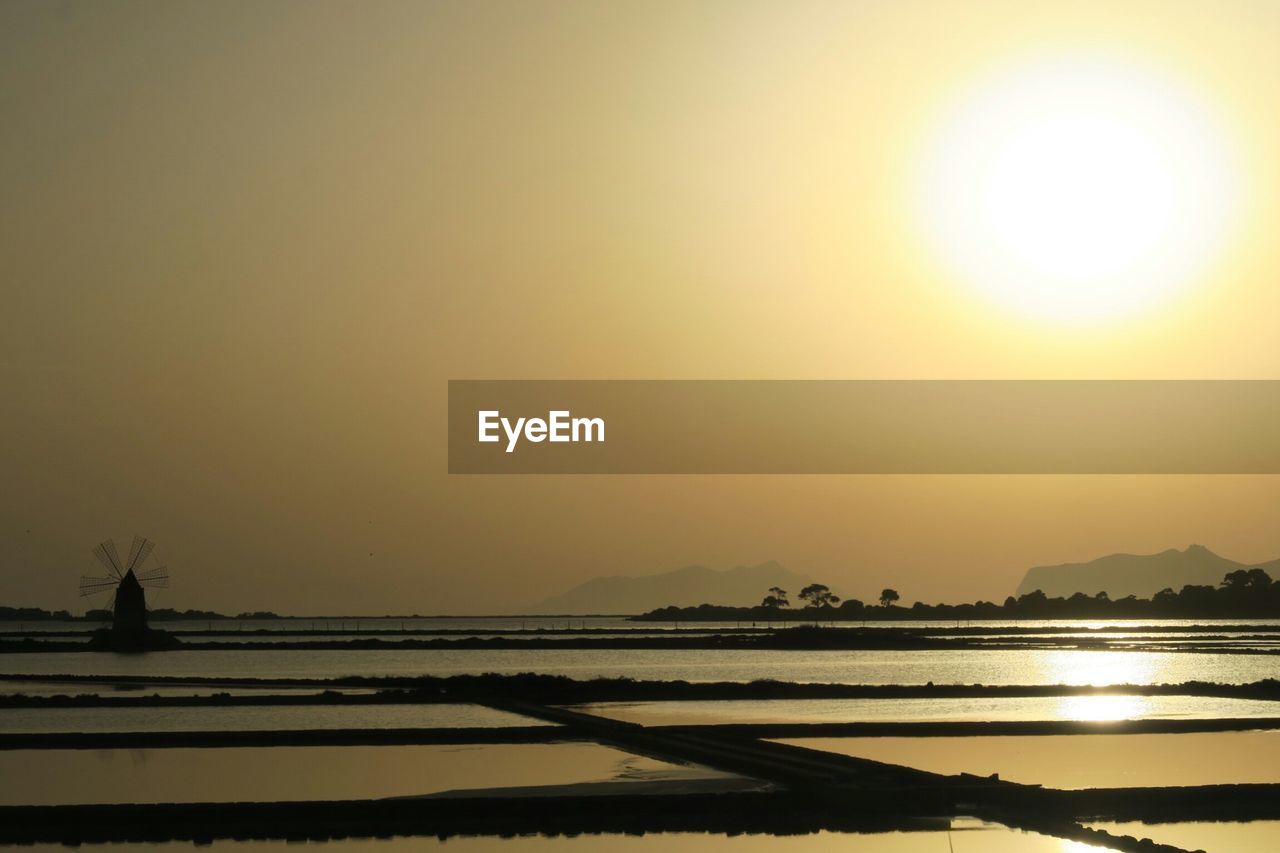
{"x":125,"y":582}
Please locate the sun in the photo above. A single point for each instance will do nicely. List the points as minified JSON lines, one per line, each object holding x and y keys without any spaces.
{"x":1078,"y":188}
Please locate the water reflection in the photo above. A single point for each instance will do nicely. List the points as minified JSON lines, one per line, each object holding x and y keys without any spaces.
{"x":1082,"y":761}
{"x":943,"y":666}
{"x":973,"y":709}
{"x":1256,"y":837}
{"x":256,"y":718}
{"x":1104,"y":708}
{"x":271,"y":774}
{"x":1069,"y":846}
{"x":1101,"y":667}
{"x":965,"y":837}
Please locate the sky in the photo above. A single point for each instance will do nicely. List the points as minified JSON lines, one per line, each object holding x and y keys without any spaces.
{"x":245,"y":246}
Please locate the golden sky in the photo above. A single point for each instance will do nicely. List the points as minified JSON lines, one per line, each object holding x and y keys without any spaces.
{"x":245,"y":245}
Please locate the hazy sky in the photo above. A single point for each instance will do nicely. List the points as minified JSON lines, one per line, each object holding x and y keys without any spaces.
{"x":246,"y":244}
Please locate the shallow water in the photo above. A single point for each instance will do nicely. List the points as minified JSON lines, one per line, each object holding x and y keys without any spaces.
{"x":119,"y":689}
{"x":484,"y":624}
{"x":947,"y":666}
{"x":1261,"y":836}
{"x":285,"y":639}
{"x":964,"y":837}
{"x":322,"y":637}
{"x":1108,"y":707}
{"x":256,"y":718}
{"x":1081,"y":761}
{"x":271,"y":774}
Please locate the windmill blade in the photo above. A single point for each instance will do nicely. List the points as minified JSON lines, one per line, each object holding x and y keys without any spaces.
{"x":93,"y":586}
{"x":139,"y":551}
{"x":109,"y":557}
{"x":134,"y":549}
{"x":157,"y":578}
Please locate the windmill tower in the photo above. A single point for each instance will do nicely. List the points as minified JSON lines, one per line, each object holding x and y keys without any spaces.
{"x":125,"y":582}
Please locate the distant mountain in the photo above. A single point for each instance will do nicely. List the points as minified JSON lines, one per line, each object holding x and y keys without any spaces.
{"x":1142,"y":575}
{"x":693,"y":585}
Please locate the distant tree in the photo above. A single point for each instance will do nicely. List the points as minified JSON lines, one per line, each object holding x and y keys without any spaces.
{"x":1259,"y":578}
{"x":1102,"y":596}
{"x":888,"y":596}
{"x":776,"y":599}
{"x":1197,"y":598}
{"x":818,"y":595}
{"x":1235,"y":580}
{"x":1246,"y":579}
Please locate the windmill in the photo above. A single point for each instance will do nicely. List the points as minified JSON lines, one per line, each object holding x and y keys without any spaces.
{"x":125,"y":582}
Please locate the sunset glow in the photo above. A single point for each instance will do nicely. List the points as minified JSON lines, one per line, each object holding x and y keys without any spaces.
{"x":1078,"y":188}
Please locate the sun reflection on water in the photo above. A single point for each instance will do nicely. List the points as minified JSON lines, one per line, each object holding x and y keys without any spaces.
{"x":1099,"y":667}
{"x":1102,"y":708}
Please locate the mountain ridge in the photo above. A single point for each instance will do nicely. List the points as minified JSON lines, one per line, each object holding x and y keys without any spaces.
{"x":1143,"y":575}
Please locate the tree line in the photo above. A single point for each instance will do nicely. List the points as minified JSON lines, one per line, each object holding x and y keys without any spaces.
{"x":1243,"y":593}
{"x":160,"y":614}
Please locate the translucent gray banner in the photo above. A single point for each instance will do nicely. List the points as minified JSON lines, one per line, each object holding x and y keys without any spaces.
{"x":863,"y":427}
